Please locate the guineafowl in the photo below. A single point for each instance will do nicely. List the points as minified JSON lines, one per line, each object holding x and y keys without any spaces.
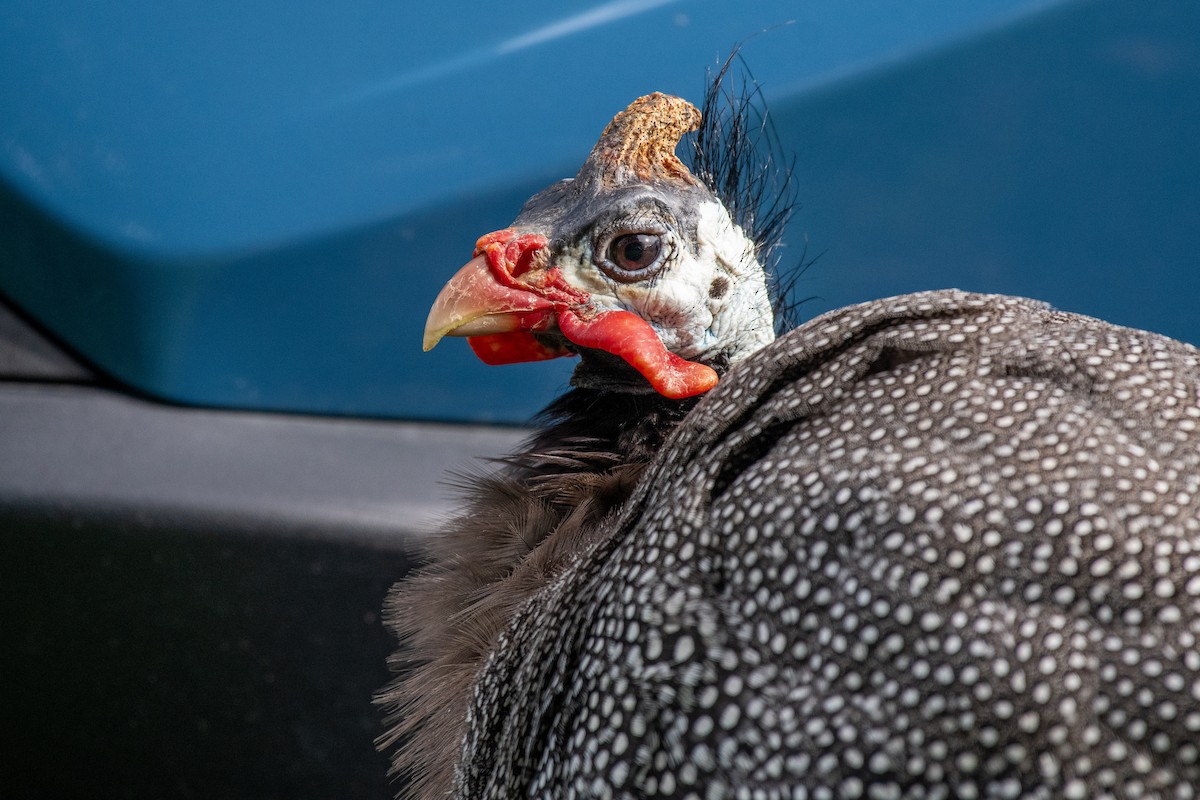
{"x":944,"y":545}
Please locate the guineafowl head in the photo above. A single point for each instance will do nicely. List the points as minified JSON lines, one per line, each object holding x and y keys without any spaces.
{"x":636,"y":264}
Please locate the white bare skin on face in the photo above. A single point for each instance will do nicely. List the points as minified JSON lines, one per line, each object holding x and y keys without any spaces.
{"x":703,"y":305}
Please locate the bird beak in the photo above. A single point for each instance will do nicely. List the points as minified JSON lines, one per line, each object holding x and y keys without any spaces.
{"x":509,"y":292}
{"x":500,"y":299}
{"x":474,"y":303}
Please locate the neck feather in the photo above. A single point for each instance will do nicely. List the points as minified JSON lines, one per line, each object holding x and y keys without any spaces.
{"x":520,"y":528}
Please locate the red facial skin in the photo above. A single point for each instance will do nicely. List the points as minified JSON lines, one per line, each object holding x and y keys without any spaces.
{"x":511,"y":255}
{"x":630,"y":337}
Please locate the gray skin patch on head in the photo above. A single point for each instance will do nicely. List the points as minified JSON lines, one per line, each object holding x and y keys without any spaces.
{"x":570,"y":211}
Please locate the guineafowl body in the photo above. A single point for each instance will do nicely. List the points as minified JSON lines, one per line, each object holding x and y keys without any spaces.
{"x":942,"y":545}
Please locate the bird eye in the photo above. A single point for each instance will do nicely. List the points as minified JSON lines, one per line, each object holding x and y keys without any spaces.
{"x":632,"y":254}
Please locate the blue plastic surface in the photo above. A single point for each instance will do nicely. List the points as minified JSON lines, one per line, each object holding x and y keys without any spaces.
{"x":229,"y":205}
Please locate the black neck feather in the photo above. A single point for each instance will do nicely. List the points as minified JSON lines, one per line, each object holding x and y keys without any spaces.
{"x":738,"y":155}
{"x":591,"y":429}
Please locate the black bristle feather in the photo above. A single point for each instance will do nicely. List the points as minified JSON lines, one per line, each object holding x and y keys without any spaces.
{"x":736,"y":152}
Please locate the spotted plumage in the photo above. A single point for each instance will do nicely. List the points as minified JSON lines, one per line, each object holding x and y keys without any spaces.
{"x":943,"y":545}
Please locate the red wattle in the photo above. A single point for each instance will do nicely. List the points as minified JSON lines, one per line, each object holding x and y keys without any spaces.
{"x":513,"y":348}
{"x":630,"y":337}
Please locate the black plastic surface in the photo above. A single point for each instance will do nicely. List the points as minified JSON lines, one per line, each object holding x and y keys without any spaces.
{"x":96,"y":450}
{"x":143,"y":661}
{"x":190,"y":599}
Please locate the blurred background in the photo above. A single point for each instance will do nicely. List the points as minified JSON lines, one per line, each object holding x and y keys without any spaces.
{"x":222,"y":225}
